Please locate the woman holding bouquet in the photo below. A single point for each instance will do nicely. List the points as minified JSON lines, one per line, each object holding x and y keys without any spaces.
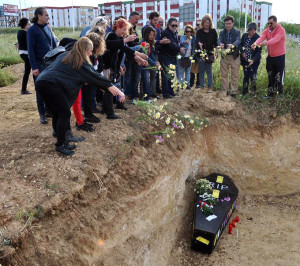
{"x":250,"y":59}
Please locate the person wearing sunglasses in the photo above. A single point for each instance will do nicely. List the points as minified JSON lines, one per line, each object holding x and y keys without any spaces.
{"x":183,"y":61}
{"x":274,"y":38}
{"x":168,"y":54}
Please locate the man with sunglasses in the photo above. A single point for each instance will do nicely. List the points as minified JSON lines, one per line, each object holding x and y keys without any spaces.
{"x":168,"y":54}
{"x":274,"y":38}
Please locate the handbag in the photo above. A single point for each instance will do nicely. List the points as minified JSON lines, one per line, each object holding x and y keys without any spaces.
{"x":185,"y":62}
{"x":210,"y":59}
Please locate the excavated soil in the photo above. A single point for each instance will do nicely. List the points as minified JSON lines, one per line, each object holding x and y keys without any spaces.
{"x":124,"y":200}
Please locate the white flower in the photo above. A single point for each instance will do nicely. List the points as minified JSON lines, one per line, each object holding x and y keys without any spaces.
{"x":192,"y":121}
{"x":168,"y":136}
{"x":157,"y":115}
{"x":157,"y":141}
{"x":179,"y":57}
{"x":168,"y":120}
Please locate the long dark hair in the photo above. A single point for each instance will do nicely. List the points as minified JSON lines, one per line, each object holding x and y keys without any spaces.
{"x":38,"y":11}
{"x":147,"y":31}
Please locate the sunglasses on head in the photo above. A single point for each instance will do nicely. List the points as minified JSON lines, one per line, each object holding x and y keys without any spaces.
{"x":174,"y":26}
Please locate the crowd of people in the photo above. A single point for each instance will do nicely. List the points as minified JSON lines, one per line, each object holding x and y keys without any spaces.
{"x":109,"y":62}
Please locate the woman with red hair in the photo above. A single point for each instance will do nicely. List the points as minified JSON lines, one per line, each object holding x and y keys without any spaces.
{"x":115,"y":45}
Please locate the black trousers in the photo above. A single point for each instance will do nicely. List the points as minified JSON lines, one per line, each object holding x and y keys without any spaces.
{"x":87,"y":100}
{"x":275,"y":68}
{"x":250,"y":73}
{"x":58,"y":104}
{"x":108,"y":106}
{"x":26,"y":71}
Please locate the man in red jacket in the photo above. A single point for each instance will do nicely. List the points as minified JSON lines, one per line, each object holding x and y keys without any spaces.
{"x":274,"y":38}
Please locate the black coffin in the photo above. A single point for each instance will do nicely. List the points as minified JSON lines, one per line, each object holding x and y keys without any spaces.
{"x":206,"y":234}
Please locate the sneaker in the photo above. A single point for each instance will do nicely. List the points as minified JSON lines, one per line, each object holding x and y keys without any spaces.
{"x":114,"y":116}
{"x":64,"y":150}
{"x":70,"y":137}
{"x":43,"y":119}
{"x":92,"y":119}
{"x":85,"y":126}
{"x":26,"y":92}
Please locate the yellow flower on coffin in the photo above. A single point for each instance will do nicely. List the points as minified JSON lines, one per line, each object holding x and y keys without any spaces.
{"x":193,"y":61}
{"x":191,"y":57}
{"x":243,"y":48}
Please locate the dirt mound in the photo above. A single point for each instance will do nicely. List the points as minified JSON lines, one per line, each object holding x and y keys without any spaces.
{"x":124,"y":200}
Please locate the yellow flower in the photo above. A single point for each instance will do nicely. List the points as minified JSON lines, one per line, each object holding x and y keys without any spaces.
{"x":157,"y":115}
{"x":191,"y":57}
{"x":145,"y":95}
{"x":192,"y":121}
{"x":186,"y":116}
{"x":168,"y":120}
{"x":193,"y":61}
{"x":168,"y":136}
{"x":157,"y":141}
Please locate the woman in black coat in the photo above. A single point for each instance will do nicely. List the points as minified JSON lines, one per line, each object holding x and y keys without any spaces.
{"x":250,"y":59}
{"x":59,"y":85}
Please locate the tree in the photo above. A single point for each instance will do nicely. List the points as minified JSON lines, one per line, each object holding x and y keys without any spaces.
{"x":291,"y":28}
{"x":239,"y":19}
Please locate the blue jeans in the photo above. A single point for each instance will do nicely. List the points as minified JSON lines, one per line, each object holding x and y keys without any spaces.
{"x":204,"y":67}
{"x":167,"y":90}
{"x":41,"y":105}
{"x":184,"y":74}
{"x":145,"y":75}
{"x":131,"y":79}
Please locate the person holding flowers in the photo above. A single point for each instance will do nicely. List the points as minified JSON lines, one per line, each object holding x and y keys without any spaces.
{"x":184,"y":62}
{"x":148,"y":47}
{"x":250,"y":59}
{"x":229,"y":41}
{"x":206,"y":41}
{"x":168,"y":54}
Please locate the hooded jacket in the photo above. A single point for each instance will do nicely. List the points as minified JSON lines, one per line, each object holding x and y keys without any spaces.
{"x":275,"y":40}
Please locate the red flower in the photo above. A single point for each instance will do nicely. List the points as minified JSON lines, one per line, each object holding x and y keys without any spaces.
{"x":143,"y":44}
{"x":158,"y":26}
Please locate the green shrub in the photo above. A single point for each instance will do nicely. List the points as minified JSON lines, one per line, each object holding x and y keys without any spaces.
{"x":6,"y":78}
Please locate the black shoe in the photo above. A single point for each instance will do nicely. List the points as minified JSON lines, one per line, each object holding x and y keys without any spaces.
{"x":114,"y":116}
{"x":70,"y":146}
{"x":26,"y":92}
{"x":43,"y":119}
{"x":85,"y":126}
{"x":92,"y":119}
{"x":167,"y":97}
{"x":64,"y":150}
{"x":121,"y":106}
{"x":71,"y":138}
{"x":233,"y":96}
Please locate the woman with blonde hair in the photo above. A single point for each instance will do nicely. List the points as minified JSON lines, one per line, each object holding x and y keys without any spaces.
{"x":184,"y":62}
{"x":206,"y":41}
{"x":60,"y":83}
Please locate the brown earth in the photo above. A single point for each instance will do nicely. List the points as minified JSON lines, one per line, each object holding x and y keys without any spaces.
{"x":124,"y":200}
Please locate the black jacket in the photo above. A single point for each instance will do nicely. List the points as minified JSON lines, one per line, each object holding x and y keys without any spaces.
{"x":71,"y":80}
{"x":115,"y":50}
{"x":209,"y":39}
{"x":255,"y":54}
{"x":22,"y":41}
{"x":236,"y":41}
{"x":171,"y":49}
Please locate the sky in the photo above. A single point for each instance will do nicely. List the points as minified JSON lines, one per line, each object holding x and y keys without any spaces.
{"x":287,"y":10}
